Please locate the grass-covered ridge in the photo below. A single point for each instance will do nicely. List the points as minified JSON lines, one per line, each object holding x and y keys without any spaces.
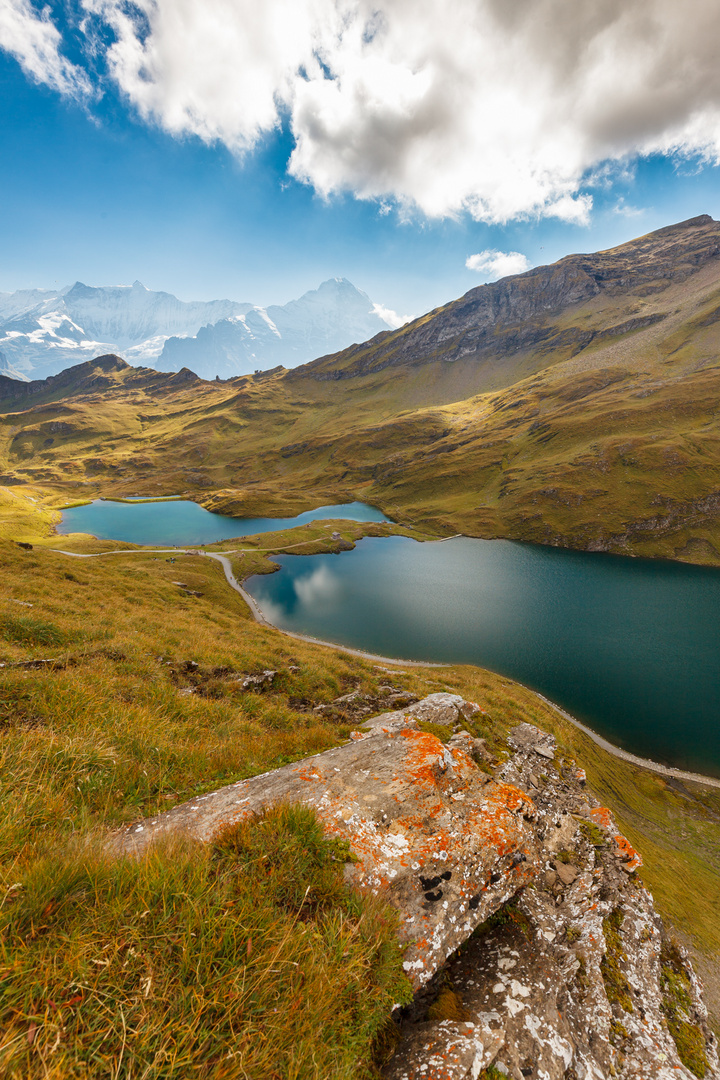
{"x":571,"y":413}
{"x":141,"y":709}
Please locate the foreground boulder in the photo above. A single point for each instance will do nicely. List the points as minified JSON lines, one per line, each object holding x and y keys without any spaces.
{"x":576,"y":978}
{"x":570,"y":975}
{"x":445,"y":843}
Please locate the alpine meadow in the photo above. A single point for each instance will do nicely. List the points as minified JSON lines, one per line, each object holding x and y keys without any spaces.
{"x":360,"y":571}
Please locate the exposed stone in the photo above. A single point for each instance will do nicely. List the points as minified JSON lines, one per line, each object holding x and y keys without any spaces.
{"x":449,"y":1050}
{"x":538,"y":970}
{"x":443,"y":842}
{"x":566,"y":872}
{"x":257,"y":682}
{"x":526,"y":737}
{"x":563,"y":979}
{"x":348,"y":699}
{"x":442,"y":708}
{"x":476,"y":748}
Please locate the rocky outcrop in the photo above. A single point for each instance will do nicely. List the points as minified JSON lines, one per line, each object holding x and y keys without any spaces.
{"x":444,"y":842}
{"x":575,"y":979}
{"x":531,"y":943}
{"x":517,"y":314}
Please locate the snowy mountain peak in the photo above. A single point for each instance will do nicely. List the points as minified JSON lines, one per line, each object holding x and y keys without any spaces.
{"x":42,"y":332}
{"x":79,"y":291}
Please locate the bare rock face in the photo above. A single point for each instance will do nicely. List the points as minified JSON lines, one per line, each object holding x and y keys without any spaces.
{"x":520,"y":313}
{"x":443,"y":709}
{"x":440,"y":839}
{"x":576,"y":978}
{"x":565,"y":971}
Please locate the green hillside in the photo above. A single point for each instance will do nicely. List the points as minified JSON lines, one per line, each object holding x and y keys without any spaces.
{"x":572,"y":405}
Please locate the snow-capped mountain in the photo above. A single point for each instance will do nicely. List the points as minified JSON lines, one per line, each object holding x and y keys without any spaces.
{"x":42,"y":332}
{"x":322,"y":321}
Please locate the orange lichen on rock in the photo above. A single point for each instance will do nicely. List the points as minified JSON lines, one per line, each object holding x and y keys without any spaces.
{"x":602,"y":816}
{"x":631,"y":858}
{"x":428,"y":829}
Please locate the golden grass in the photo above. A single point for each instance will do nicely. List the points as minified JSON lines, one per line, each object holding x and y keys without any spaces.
{"x":121,"y":726}
{"x":248,"y":958}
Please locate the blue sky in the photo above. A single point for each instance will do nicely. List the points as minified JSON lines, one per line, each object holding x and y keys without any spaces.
{"x":100,"y":186}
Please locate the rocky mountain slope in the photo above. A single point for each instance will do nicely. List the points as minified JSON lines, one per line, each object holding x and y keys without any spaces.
{"x":42,"y":332}
{"x":547,"y":314}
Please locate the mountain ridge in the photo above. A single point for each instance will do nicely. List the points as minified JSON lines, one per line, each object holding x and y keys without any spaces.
{"x":43,"y":332}
{"x":512,"y":314}
{"x":596,"y":429}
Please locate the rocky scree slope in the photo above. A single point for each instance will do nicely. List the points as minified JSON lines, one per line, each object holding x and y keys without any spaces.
{"x":520,"y":314}
{"x":534,"y":949}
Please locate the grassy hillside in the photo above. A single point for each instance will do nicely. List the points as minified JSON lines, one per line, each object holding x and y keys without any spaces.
{"x":573,"y":405}
{"x":185,"y":957}
{"x":577,"y":407}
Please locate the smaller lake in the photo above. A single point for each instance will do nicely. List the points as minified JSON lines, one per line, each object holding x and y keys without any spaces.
{"x":630,"y":646}
{"x":180,"y":523}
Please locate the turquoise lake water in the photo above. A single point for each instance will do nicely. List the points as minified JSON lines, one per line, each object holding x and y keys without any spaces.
{"x":629,"y":646}
{"x":181,"y":523}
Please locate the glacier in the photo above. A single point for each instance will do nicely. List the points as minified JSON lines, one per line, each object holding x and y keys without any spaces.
{"x":44,"y":331}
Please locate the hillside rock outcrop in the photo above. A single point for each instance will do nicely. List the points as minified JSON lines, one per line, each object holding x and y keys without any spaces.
{"x":576,"y":978}
{"x":517,"y":313}
{"x":444,"y":842}
{"x":530,"y":941}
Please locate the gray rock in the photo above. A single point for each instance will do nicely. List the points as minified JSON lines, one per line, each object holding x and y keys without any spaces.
{"x":257,"y":682}
{"x":448,"y":1050}
{"x":432,"y":833}
{"x":525,"y":737}
{"x":448,"y":847}
{"x":441,"y":708}
{"x":476,"y":748}
{"x":538,"y":972}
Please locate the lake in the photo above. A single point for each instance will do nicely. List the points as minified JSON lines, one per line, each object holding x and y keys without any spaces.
{"x":629,"y":646}
{"x":181,"y":523}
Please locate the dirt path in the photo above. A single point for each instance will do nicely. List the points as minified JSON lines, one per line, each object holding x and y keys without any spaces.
{"x":256,"y":611}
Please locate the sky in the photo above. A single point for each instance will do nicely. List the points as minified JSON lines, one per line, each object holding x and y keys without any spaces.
{"x":230,"y":148}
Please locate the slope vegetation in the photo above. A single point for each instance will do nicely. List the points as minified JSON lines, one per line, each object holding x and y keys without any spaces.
{"x":572,"y":405}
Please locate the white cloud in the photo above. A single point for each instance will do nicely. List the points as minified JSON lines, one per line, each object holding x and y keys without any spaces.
{"x":497,"y":264}
{"x":34,"y":41}
{"x":390,"y":317}
{"x":497,"y":108}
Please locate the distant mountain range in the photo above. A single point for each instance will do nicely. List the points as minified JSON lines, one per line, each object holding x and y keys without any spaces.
{"x":574,"y":404}
{"x":42,"y":332}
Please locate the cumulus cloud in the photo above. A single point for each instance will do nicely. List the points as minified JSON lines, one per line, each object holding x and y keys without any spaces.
{"x":390,"y":317}
{"x":497,"y":264}
{"x":496,"y":108}
{"x":34,"y":41}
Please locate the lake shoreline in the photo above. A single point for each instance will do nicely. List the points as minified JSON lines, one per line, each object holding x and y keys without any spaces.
{"x":599,"y":740}
{"x":258,"y":615}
